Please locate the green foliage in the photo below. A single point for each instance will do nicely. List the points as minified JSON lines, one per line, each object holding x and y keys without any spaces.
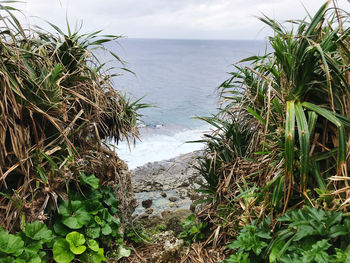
{"x":283,"y":121}
{"x":239,"y":257}
{"x":193,"y":231}
{"x":137,"y":234}
{"x":280,"y":143}
{"x":61,"y":251}
{"x":59,"y":107}
{"x":38,"y":231}
{"x":28,"y":246}
{"x":250,"y":243}
{"x":250,"y":239}
{"x":86,"y":222}
{"x":91,"y":180}
{"x":74,"y":244}
{"x":308,"y":235}
{"x":74,"y":214}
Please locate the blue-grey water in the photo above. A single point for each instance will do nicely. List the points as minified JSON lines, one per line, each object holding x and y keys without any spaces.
{"x":180,"y":78}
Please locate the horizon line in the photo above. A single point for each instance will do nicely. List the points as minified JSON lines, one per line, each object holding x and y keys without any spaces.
{"x":190,"y":39}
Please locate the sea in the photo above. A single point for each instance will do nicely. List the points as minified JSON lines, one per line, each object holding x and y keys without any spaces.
{"x":180,"y":79}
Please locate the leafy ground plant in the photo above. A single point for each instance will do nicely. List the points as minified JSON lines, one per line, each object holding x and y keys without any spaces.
{"x":75,"y":245}
{"x":29,"y":246}
{"x":87,"y":223}
{"x":193,"y":230}
{"x":306,"y":235}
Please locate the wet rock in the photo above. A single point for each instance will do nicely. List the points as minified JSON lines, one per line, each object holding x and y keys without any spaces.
{"x":147,"y":203}
{"x":143,"y":216}
{"x":149,"y":211}
{"x":173,"y":199}
{"x":163,"y":194}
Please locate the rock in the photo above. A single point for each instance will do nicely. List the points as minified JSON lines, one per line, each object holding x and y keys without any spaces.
{"x":149,"y":211}
{"x":185,"y":184}
{"x":173,"y":199}
{"x":166,"y":175}
{"x":174,"y":219}
{"x":193,"y":208}
{"x":147,"y":203}
{"x":175,"y":225}
{"x":143,"y":216}
{"x":164,"y":184}
{"x":165,"y":213}
{"x":171,"y":248}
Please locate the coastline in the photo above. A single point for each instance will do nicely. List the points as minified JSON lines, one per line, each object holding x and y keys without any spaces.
{"x":170,"y":184}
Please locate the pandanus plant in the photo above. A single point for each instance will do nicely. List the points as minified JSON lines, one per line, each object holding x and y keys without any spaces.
{"x":295,"y":103}
{"x":309,"y":76}
{"x":57,"y":105}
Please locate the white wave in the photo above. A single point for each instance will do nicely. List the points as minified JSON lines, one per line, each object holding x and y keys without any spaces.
{"x":158,"y":146}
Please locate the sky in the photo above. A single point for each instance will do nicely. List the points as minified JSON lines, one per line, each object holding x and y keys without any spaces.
{"x":174,"y":19}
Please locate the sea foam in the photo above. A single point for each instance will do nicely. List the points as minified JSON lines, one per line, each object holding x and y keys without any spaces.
{"x":160,"y":144}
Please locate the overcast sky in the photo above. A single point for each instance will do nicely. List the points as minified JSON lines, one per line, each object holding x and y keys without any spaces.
{"x":184,"y":19}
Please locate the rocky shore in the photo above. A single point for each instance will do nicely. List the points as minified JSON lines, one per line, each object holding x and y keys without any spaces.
{"x":165,"y":191}
{"x":165,"y":185}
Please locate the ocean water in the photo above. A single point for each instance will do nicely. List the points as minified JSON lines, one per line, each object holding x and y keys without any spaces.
{"x":180,"y":79}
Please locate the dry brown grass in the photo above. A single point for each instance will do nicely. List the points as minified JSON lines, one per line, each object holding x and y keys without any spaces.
{"x":57,"y":106}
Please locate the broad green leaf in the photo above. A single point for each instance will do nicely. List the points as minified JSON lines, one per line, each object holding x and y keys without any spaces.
{"x":106,"y":229}
{"x":74,"y":214}
{"x":98,"y":220}
{"x":123,"y":252}
{"x":275,"y":251}
{"x":91,"y":180}
{"x":318,"y":253}
{"x":38,"y":231}
{"x":61,"y":251}
{"x":94,"y":206}
{"x":239,"y":257}
{"x":304,"y":231}
{"x":29,"y":256}
{"x":60,"y":229}
{"x":10,"y":244}
{"x":93,"y":257}
{"x":93,"y":245}
{"x":76,"y":242}
{"x":7,"y":259}
{"x":323,"y":112}
{"x":34,"y":245}
{"x":93,"y":231}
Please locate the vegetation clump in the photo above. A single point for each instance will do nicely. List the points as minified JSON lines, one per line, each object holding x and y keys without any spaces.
{"x":278,"y":158}
{"x":63,"y":192}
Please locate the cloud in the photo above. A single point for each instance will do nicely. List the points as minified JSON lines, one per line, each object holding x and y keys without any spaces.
{"x":215,"y":19}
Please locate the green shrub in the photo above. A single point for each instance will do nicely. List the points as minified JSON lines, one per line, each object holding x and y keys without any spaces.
{"x":308,"y":235}
{"x":193,"y":230}
{"x":29,"y":246}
